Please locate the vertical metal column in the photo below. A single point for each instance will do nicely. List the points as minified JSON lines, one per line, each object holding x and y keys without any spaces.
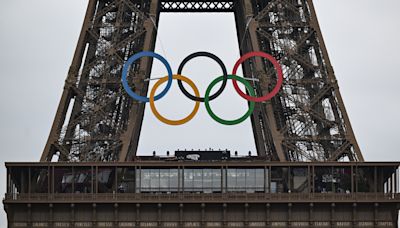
{"x":96,"y":120}
{"x":130,"y":138}
{"x":307,"y":120}
{"x":262,"y":122}
{"x":66,"y":97}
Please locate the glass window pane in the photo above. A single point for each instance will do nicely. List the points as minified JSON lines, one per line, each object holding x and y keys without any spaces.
{"x":145,"y":180}
{"x":155,"y":179}
{"x":365,"y":179}
{"x":216,"y":180}
{"x":274,"y":187}
{"x":299,"y":179}
{"x":39,"y":180}
{"x":279,"y":179}
{"x":207,"y":180}
{"x":138,"y":181}
{"x":164,"y":180}
{"x":250,"y":180}
{"x":83,"y":180}
{"x":323,"y":179}
{"x":188,"y":180}
{"x":198,"y":180}
{"x":259,"y":185}
{"x":126,"y":181}
{"x":173,"y":180}
{"x":105,"y":180}
{"x":231,"y":179}
{"x":342,"y":175}
{"x":267,"y":180}
{"x":241,"y":179}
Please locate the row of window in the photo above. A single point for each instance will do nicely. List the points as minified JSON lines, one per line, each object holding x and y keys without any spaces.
{"x":200,"y":180}
{"x":131,"y":180}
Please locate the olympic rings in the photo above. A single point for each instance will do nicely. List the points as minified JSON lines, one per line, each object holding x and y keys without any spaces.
{"x":229,"y":122}
{"x":207,"y":98}
{"x":133,"y":59}
{"x":165,"y":120}
{"x":277,"y":67}
{"x":212,"y":56}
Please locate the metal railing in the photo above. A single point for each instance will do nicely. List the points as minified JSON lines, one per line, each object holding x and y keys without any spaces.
{"x":273,"y":223}
{"x":165,"y":197}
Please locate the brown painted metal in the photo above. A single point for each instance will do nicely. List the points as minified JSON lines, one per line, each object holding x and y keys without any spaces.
{"x":97,"y":127}
{"x":130,"y":138}
{"x":67,"y":92}
{"x":27,"y":208}
{"x":264,"y":124}
{"x":104,"y":123}
{"x":307,"y":121}
{"x":208,"y":215}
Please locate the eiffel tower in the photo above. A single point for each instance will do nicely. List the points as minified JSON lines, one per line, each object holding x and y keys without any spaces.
{"x":308,"y":172}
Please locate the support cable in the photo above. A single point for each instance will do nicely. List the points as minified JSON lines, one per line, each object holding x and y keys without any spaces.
{"x":158,"y":36}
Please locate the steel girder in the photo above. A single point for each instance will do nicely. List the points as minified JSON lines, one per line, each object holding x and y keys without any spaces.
{"x":196,"y":6}
{"x":96,"y":120}
{"x":306,"y":121}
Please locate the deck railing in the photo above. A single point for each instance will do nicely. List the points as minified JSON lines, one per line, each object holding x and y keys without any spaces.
{"x":212,"y":197}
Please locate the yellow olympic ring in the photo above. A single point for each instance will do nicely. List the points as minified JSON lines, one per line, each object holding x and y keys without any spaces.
{"x":165,"y":120}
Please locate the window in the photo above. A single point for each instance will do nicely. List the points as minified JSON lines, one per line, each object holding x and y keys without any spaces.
{"x":342,"y":175}
{"x":245,"y":180}
{"x":188,"y":180}
{"x":279,"y":179}
{"x":105,"y":180}
{"x":211,"y":180}
{"x":324,"y":180}
{"x":173,"y":180}
{"x":126,"y":180}
{"x":154,"y":179}
{"x":168,"y":180}
{"x":145,"y":180}
{"x":259,"y":180}
{"x":198,"y":180}
{"x":216,"y":180}
{"x":298,"y":179}
{"x":158,"y":180}
{"x":202,"y":180}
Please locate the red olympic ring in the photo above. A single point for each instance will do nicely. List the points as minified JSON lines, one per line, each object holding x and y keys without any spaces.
{"x":277,"y":67}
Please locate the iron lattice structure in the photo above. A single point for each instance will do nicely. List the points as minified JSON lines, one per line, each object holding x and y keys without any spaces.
{"x":97,"y":127}
{"x":97,"y":121}
{"x":195,"y":6}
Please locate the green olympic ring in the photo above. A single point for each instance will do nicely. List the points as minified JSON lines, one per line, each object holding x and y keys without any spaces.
{"x":220,"y":120}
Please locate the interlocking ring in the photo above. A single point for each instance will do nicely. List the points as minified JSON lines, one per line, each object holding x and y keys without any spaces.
{"x":131,"y":60}
{"x":207,"y":98}
{"x":168,"y":121}
{"x":277,"y":67}
{"x":229,"y":122}
{"x":212,"y":56}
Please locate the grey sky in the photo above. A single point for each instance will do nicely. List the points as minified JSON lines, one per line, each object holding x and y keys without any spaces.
{"x":38,"y":39}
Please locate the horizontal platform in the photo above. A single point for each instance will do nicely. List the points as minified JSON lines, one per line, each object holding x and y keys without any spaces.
{"x":204,"y":198}
{"x":206,"y":224}
{"x":172,"y":181}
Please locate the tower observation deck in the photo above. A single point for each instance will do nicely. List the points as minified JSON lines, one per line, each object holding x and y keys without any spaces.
{"x":308,"y":171}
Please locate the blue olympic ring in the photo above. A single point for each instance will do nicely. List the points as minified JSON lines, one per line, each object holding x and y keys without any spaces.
{"x":135,"y":57}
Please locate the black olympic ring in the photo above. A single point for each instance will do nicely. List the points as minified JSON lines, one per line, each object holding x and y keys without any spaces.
{"x":212,"y":56}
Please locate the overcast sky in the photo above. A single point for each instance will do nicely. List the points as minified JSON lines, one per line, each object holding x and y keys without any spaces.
{"x":38,"y":39}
